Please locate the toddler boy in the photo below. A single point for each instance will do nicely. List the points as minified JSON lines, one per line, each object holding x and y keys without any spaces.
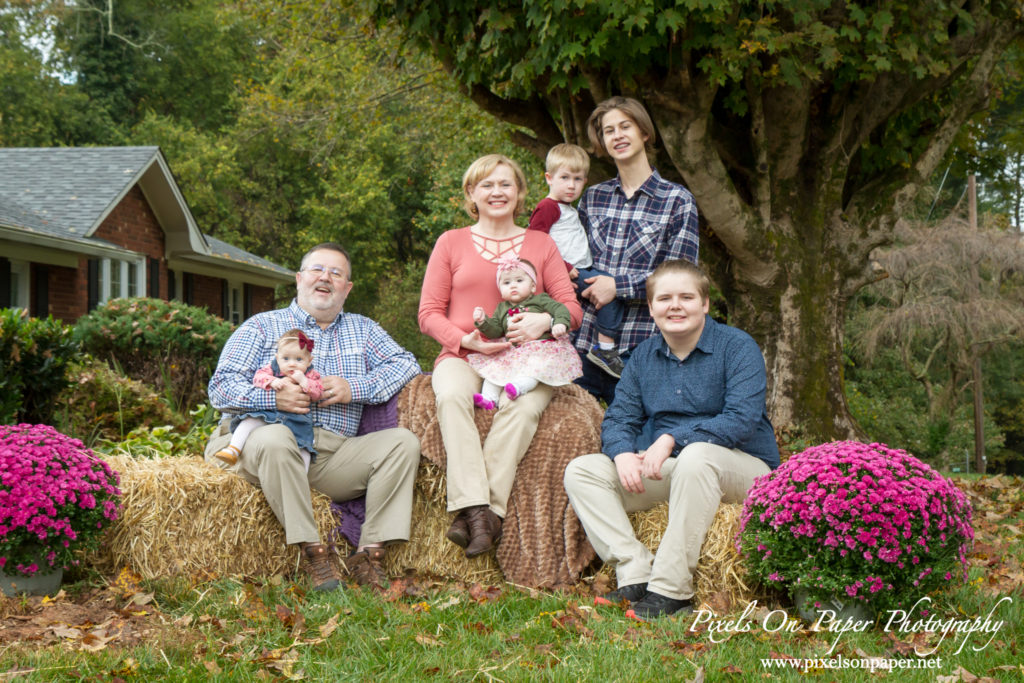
{"x":566,"y":170}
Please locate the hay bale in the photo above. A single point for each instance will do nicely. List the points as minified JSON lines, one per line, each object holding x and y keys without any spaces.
{"x":184,"y":516}
{"x":428,"y":551}
{"x":720,"y":570}
{"x":543,"y":544}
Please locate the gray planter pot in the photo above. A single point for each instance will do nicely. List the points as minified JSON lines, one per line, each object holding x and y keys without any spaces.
{"x":844,"y":608}
{"x":40,"y":583}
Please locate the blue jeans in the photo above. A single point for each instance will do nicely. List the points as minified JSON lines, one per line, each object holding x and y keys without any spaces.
{"x":608,"y":318}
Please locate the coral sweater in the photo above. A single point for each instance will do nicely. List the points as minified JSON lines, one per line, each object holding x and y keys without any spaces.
{"x":458,"y":279}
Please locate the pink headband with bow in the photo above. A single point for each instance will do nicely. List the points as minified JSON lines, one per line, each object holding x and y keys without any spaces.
{"x":512,"y":263}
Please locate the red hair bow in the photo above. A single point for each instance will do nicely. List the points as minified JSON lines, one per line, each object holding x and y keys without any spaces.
{"x":305,"y":342}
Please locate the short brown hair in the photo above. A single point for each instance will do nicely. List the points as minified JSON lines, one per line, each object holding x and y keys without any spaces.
{"x":628,"y":106}
{"x":683,"y":267}
{"x":328,"y":246}
{"x":483,"y":167}
{"x":572,"y":157}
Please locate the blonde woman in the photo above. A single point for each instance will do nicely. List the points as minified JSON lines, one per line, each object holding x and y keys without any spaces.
{"x":459,"y":278}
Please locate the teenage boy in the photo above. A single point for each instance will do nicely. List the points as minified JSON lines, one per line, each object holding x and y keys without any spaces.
{"x":698,"y":390}
{"x":565,"y":171}
{"x":634,"y":221}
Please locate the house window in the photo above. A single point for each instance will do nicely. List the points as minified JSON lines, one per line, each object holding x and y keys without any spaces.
{"x":18,"y":297}
{"x":118,"y":279}
{"x":232,"y":301}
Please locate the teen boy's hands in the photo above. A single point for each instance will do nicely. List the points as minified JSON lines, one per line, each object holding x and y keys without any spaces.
{"x":656,"y":455}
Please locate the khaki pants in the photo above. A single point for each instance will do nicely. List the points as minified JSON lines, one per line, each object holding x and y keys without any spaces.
{"x":482,"y":474}
{"x":694,"y":483}
{"x":381,"y":465}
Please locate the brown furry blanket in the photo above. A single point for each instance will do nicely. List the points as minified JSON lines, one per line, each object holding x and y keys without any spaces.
{"x":543,"y":543}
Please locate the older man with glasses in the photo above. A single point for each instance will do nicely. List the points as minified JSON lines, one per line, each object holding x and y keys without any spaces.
{"x":359,"y":364}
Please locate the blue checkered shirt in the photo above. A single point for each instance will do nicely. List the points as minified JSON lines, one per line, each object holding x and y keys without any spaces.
{"x":628,"y":238}
{"x":353,"y":347}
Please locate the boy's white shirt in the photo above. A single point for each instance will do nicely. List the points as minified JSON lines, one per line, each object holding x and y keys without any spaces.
{"x":570,"y":237}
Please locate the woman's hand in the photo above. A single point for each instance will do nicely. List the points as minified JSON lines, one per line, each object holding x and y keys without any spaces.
{"x":524,"y":327}
{"x":474,"y":341}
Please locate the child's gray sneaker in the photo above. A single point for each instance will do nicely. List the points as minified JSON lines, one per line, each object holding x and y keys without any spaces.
{"x":609,"y":361}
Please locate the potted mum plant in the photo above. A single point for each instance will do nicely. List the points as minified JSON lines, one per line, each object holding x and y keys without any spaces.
{"x":56,"y":497}
{"x":847,"y":523}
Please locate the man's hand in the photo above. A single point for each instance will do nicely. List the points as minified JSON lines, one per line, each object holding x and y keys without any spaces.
{"x":601,"y":291}
{"x":524,"y":327}
{"x":474,"y":341}
{"x":336,"y":390}
{"x":655,"y":456}
{"x":629,"y":466}
{"x":292,"y":399}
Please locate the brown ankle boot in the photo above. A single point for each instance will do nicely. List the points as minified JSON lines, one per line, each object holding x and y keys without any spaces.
{"x":367,"y":568}
{"x":458,"y":532}
{"x":319,"y":567}
{"x":484,"y":530}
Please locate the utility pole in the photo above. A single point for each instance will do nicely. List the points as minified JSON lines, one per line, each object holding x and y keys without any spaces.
{"x":979,"y":404}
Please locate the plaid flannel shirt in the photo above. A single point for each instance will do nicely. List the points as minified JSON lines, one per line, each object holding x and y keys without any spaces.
{"x":353,"y":347}
{"x":628,"y":239}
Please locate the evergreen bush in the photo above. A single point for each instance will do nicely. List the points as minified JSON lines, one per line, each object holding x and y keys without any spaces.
{"x":166,"y":344}
{"x":34,"y":355}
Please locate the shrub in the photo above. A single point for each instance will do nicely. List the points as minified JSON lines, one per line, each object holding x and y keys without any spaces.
{"x":166,"y":440}
{"x":166,"y":344}
{"x":855,"y":520}
{"x":55,"y":498}
{"x":101,"y":404}
{"x":34,"y":355}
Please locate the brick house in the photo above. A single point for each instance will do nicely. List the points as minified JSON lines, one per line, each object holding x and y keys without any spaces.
{"x":81,"y":225}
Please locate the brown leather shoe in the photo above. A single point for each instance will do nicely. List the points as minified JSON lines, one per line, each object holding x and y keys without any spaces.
{"x":319,"y":567}
{"x":458,"y":532}
{"x":484,"y":530}
{"x":367,"y":568}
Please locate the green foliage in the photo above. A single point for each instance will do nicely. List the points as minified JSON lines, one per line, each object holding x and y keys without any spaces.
{"x":176,"y":59}
{"x":36,"y":108}
{"x":166,"y":440}
{"x":166,"y":344}
{"x":34,"y":356}
{"x":396,"y":308}
{"x":102,"y":404}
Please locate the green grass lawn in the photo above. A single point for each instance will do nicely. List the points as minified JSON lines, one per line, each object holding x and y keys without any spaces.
{"x":119,"y":628}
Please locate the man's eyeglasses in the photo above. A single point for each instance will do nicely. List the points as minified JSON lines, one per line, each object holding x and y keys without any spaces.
{"x":318,"y":270}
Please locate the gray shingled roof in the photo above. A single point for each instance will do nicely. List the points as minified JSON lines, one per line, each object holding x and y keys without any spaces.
{"x":70,"y":187}
{"x":65,"y":192}
{"x":233,"y":253}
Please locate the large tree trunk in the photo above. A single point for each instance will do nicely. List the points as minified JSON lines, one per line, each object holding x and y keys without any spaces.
{"x":799,"y":324}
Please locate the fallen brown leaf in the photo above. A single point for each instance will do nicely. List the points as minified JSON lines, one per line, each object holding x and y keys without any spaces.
{"x":430,"y":641}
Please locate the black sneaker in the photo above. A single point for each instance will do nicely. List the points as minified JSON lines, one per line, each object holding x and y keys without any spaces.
{"x":609,"y":361}
{"x":654,"y":605}
{"x":631,"y":593}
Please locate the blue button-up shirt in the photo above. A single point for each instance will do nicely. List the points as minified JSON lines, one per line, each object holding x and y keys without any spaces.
{"x":715,"y":395}
{"x":353,"y":347}
{"x":629,"y":237}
